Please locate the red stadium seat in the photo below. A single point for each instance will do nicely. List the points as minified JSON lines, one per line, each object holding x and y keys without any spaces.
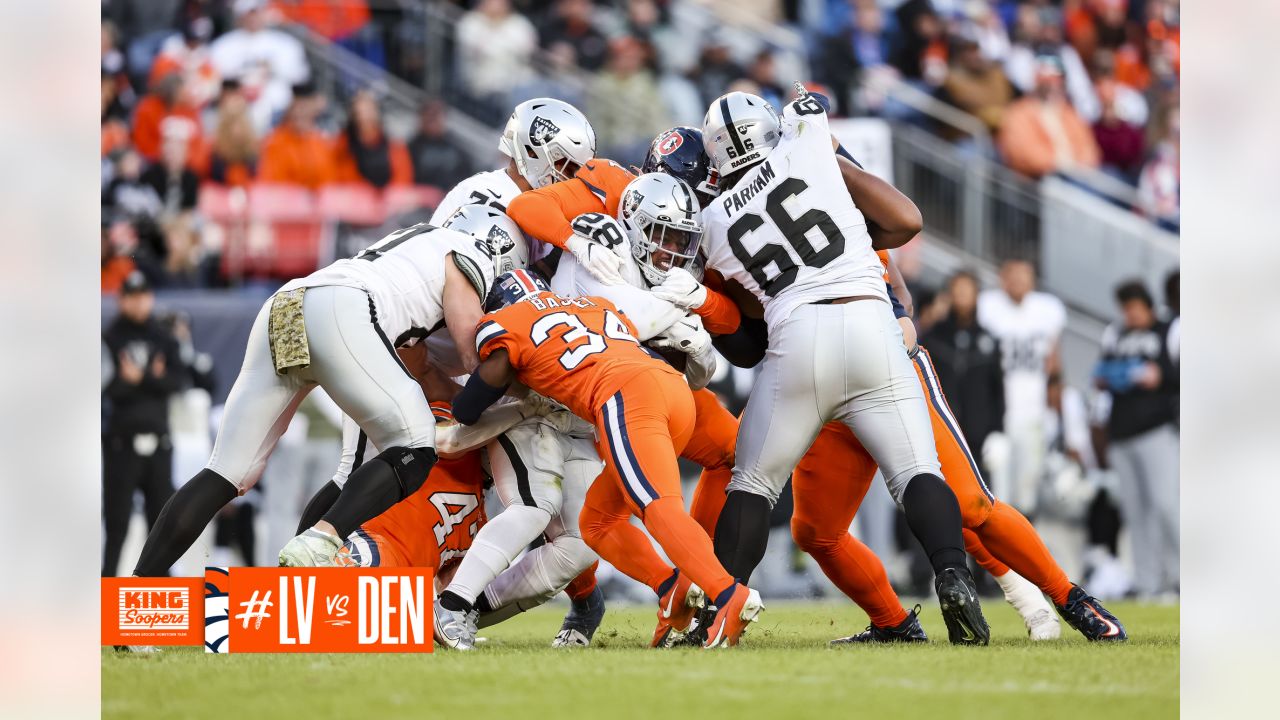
{"x":407,"y":199}
{"x":218,"y":203}
{"x":355,"y":203}
{"x":271,"y":201}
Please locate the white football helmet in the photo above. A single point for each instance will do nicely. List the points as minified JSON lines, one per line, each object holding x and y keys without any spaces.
{"x":740,"y":129}
{"x":548,"y":140}
{"x":660,"y":215}
{"x":495,"y":233}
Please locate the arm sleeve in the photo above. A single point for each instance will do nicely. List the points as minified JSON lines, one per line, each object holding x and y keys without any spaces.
{"x":745,"y":347}
{"x":546,"y":213}
{"x":720,"y":316}
{"x":456,"y":439}
{"x":474,"y":399}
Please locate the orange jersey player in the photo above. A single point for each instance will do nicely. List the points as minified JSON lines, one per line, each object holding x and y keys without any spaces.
{"x":583,"y":352}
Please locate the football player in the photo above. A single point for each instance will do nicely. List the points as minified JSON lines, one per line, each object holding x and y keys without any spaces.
{"x":338,"y":328}
{"x":587,"y":355}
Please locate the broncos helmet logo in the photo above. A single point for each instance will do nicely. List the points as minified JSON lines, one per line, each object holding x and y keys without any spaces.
{"x":541,"y":131}
{"x":670,"y":143}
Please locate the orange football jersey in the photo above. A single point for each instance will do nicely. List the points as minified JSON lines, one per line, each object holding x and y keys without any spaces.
{"x":578,"y":351}
{"x":546,"y":213}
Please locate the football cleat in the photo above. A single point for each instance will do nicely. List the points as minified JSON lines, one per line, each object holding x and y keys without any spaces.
{"x":1084,"y":613}
{"x":1037,"y":614}
{"x":580,"y":623}
{"x":731,"y":621}
{"x":676,"y":609}
{"x":312,"y":548}
{"x":455,"y":629}
{"x":1042,"y":625}
{"x":697,"y":634}
{"x":958,"y":597}
{"x":907,"y":631}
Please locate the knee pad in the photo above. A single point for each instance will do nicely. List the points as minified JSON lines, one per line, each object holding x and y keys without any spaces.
{"x":410,"y":465}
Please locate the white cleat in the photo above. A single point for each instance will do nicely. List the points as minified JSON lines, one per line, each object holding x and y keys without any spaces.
{"x":1041,"y":621}
{"x":455,"y":629}
{"x":570,"y":638}
{"x":312,"y":548}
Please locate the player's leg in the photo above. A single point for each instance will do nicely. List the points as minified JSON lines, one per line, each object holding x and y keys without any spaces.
{"x":121,"y":468}
{"x":828,"y":486}
{"x":355,"y":450}
{"x":712,"y":446}
{"x":257,"y":412}
{"x":527,"y":464}
{"x":886,"y":410}
{"x":356,"y":364}
{"x":780,"y":422}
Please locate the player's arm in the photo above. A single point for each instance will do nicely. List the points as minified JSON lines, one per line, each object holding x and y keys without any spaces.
{"x":453,"y":439}
{"x":462,"y":311}
{"x":547,"y":214}
{"x":720,"y":316}
{"x":488,"y":383}
{"x":892,"y":219}
{"x":689,"y":337}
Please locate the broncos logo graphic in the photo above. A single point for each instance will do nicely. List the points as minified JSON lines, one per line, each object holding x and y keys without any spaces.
{"x":541,"y":131}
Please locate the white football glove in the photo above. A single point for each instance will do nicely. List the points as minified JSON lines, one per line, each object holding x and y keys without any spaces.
{"x":536,"y":404}
{"x":686,"y":335}
{"x":681,"y":289}
{"x":594,"y":237}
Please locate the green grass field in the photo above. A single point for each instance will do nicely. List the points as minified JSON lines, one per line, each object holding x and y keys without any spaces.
{"x":784,"y":669}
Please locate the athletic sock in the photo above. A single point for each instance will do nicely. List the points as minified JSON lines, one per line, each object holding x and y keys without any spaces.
{"x":582,"y":587}
{"x":742,"y":533}
{"x":667,"y":584}
{"x":495,"y":547}
{"x":370,"y":491}
{"x":318,"y":505}
{"x":481,"y":604}
{"x":686,"y":543}
{"x":1011,"y":538}
{"x":933,"y":514}
{"x":709,"y":498}
{"x":981,"y":555}
{"x":452,"y":601}
{"x":182,"y":520}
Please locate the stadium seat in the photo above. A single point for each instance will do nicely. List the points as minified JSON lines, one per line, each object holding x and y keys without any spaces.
{"x":354,"y":203}
{"x":277,"y":202}
{"x":408,"y":199}
{"x":219,"y":204}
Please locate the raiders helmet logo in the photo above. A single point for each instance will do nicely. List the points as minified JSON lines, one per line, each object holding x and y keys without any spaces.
{"x":541,"y":131}
{"x":670,"y":143}
{"x":500,"y":241}
{"x":631,"y":203}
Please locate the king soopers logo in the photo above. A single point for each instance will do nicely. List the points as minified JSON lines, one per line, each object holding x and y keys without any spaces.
{"x":154,"y":608}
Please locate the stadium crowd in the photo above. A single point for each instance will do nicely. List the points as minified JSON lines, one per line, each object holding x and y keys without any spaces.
{"x":204,"y":98}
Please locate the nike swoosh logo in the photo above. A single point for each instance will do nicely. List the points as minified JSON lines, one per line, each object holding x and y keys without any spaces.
{"x":1112,"y":630}
{"x":968,"y":633}
{"x":671,"y":602}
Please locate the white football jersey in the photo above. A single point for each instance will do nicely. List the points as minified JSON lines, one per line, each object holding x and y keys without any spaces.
{"x":788,"y":231}
{"x":494,"y":188}
{"x":404,"y":275}
{"x":651,"y":315}
{"x":1028,"y":332}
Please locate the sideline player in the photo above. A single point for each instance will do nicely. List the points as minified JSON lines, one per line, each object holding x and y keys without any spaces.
{"x":585,"y":354}
{"x":835,"y":348}
{"x":338,"y":329}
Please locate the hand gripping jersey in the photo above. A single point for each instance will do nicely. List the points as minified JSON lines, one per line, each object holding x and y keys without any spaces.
{"x":788,"y":231}
{"x":577,"y":351}
{"x":493,"y":188}
{"x":404,"y":276}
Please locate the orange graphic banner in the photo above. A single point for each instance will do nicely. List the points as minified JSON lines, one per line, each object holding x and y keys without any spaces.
{"x":152,"y":611}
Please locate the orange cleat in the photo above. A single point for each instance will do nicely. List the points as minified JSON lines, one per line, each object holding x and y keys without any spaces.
{"x":676,"y":609}
{"x":731,"y":621}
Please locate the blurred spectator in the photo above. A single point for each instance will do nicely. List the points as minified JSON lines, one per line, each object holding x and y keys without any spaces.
{"x":1121,"y":143}
{"x":115,"y":116}
{"x":183,"y":264}
{"x":234,"y":155}
{"x":1136,"y":368}
{"x":1159,"y":184}
{"x":967,"y":358}
{"x":921,"y":52}
{"x":988,"y":30}
{"x":136,"y":450}
{"x":296,"y":152}
{"x":976,"y":84}
{"x":863,"y":46}
{"x":1130,"y":105}
{"x":570,"y":22}
{"x":128,"y":193}
{"x":113,"y":65}
{"x":1038,"y":33}
{"x":171,"y":178}
{"x":554,"y":81}
{"x":116,"y":263}
{"x":495,"y":45}
{"x":764,"y":73}
{"x":1028,"y":325}
{"x":146,"y":24}
{"x":364,"y":152}
{"x":437,"y":158}
{"x":169,"y":98}
{"x":189,"y":54}
{"x":266,"y":61}
{"x":1091,"y":25}
{"x":1041,"y":133}
{"x":626,"y":110}
{"x":715,"y":69}
{"x":334,"y":20}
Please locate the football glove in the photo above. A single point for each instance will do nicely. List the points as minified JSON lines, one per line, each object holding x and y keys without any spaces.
{"x":681,"y":289}
{"x":594,"y":237}
{"x":686,"y":335}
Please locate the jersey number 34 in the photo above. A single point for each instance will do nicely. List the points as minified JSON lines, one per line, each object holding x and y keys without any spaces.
{"x":595,"y":343}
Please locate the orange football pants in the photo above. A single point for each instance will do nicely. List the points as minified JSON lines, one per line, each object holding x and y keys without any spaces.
{"x":640,"y":432}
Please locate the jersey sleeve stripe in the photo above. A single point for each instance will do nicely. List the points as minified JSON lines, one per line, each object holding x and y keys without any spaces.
{"x":595,"y":190}
{"x":488,"y":331}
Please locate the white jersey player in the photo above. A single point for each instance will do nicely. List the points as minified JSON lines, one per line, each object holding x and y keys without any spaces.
{"x":338,"y":329}
{"x":786,"y":230}
{"x":1028,"y":325}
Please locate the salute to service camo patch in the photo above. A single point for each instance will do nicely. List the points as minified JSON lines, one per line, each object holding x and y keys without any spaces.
{"x":287,"y":333}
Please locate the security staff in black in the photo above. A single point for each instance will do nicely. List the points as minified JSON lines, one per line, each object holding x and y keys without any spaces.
{"x":144,"y":370}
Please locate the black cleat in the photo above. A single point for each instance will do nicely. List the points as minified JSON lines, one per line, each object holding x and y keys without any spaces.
{"x":1084,"y":613}
{"x":907,"y":631}
{"x":958,"y":597}
{"x":580,"y":623}
{"x":697,"y":635}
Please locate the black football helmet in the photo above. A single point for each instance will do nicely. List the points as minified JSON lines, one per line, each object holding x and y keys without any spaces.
{"x":678,"y":152}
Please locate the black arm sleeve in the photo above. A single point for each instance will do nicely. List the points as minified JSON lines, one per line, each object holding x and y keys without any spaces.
{"x":474,"y":399}
{"x":744,"y":347}
{"x":898,"y":310}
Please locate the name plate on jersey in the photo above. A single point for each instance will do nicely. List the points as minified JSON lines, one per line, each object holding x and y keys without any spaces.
{"x":301,"y":610}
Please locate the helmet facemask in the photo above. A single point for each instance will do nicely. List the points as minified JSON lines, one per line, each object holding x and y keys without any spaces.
{"x":661,"y":243}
